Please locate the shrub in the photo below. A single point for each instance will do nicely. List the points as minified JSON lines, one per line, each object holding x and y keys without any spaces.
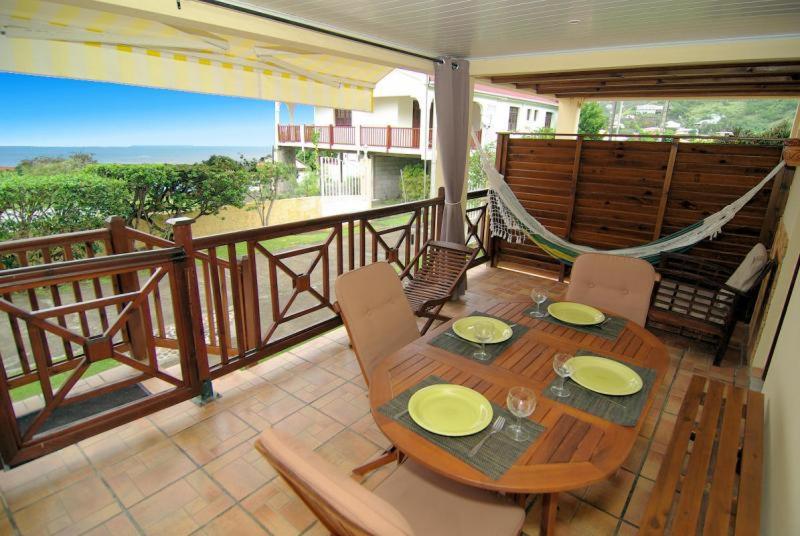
{"x":414,"y":182}
{"x":155,"y":191}
{"x":32,"y":205}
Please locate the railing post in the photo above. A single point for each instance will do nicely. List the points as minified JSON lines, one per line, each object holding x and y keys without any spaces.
{"x":439,"y":213}
{"x":249,"y":301}
{"x":330,"y":135}
{"x":388,"y":137}
{"x":138,"y":327}
{"x":194,"y":342}
{"x":302,"y":129}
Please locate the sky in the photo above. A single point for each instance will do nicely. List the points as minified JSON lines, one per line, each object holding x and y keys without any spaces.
{"x":44,"y":111}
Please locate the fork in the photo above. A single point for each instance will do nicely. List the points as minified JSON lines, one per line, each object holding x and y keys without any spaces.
{"x":497,"y":425}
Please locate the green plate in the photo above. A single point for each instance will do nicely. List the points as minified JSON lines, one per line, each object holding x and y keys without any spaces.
{"x":450,"y":410}
{"x":576,"y":313}
{"x":605,"y":376}
{"x":465,"y":328}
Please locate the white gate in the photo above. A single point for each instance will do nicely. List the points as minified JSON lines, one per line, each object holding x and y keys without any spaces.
{"x":342,"y":177}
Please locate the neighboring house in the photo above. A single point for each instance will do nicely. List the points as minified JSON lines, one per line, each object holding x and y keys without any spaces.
{"x":649,"y":109}
{"x":401,"y":129}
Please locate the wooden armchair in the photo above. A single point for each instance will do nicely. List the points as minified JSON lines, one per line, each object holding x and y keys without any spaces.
{"x":693,"y":296}
{"x":433,"y":276}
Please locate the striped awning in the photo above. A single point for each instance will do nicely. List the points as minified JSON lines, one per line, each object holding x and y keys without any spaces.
{"x":53,"y":39}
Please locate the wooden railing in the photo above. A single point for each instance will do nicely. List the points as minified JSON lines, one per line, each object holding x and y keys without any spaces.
{"x":288,"y":133}
{"x":171,"y":315}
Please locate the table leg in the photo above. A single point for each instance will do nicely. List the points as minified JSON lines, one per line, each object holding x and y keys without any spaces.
{"x":549,"y":511}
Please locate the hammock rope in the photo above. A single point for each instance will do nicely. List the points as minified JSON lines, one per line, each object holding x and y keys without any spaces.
{"x":510,"y":221}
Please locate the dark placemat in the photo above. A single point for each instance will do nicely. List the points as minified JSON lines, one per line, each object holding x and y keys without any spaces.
{"x":496,"y":456}
{"x":451,"y":342}
{"x":623,"y":410}
{"x":610,"y":329}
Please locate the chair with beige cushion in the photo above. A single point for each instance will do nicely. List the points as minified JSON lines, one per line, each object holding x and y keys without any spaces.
{"x":379,"y":321}
{"x":621,"y":285}
{"x":412,"y":500}
{"x":375,"y":312}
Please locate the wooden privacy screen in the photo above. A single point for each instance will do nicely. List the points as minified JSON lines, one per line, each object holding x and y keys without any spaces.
{"x":613,"y":194}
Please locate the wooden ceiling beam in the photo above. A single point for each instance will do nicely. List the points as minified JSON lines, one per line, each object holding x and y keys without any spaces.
{"x":682,"y":93}
{"x":661,"y":82}
{"x":774,"y":68}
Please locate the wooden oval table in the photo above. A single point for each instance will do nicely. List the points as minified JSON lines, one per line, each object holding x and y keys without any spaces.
{"x":576,"y":450}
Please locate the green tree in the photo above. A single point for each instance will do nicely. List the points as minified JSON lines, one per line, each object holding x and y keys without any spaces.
{"x":264,"y":180}
{"x":476,"y":178}
{"x":159,"y":191}
{"x":593,"y":118}
{"x":217,"y":161}
{"x":48,"y":165}
{"x":414,"y":182}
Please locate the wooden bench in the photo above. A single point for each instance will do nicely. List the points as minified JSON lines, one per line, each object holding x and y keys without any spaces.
{"x":710,"y":478}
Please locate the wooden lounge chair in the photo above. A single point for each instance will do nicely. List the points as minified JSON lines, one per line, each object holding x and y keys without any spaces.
{"x":622,"y":285}
{"x":412,"y":500}
{"x":433,"y":276}
{"x":694,"y":296}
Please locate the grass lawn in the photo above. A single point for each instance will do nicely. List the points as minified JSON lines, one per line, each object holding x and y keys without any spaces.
{"x":311,"y":238}
{"x":33,"y":389}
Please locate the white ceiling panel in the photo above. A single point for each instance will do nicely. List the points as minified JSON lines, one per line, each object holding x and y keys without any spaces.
{"x":486,"y":28}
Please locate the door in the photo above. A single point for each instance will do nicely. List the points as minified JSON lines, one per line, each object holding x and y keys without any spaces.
{"x":513,"y":113}
{"x":343,"y":118}
{"x":415,"y":122}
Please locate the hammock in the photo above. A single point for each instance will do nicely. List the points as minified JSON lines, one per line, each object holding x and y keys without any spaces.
{"x":510,"y":221}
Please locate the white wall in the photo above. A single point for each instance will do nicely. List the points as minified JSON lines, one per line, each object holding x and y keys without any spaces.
{"x":782,"y":391}
{"x":495,"y":113}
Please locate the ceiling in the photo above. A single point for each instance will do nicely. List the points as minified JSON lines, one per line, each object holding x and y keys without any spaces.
{"x":489,"y":28}
{"x":774,"y":78}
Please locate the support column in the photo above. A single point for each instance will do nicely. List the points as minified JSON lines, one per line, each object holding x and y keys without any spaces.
{"x":569,"y":112}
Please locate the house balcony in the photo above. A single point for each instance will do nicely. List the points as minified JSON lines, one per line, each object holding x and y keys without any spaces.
{"x":388,"y":139}
{"x":192,"y":469}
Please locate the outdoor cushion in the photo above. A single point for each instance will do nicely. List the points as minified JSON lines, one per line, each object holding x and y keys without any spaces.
{"x":621,"y":285}
{"x":747,"y":272}
{"x":433,"y":504}
{"x":376,"y":312}
{"x":326,"y":484}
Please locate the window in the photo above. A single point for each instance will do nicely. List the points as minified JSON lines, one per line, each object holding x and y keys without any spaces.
{"x":513,"y":112}
{"x":343,"y":118}
{"x":528,"y":115}
{"x":548,"y":119}
{"x":536,"y":115}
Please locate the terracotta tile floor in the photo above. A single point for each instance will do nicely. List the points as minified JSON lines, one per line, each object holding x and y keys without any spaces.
{"x":191,"y":469}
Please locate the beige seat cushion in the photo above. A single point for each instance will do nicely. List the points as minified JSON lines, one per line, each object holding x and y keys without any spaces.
{"x":434,"y":505}
{"x":747,"y":272}
{"x":337,"y":491}
{"x":376,"y":312}
{"x":622,"y":285}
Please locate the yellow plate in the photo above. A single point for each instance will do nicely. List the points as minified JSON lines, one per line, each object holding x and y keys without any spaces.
{"x":605,"y":376}
{"x":576,"y":313}
{"x":465,"y":328}
{"x":450,"y":410}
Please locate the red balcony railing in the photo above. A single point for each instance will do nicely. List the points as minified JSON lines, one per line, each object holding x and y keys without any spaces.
{"x":289,"y":133}
{"x":330,"y":135}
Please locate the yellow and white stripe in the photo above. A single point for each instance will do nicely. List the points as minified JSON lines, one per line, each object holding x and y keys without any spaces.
{"x":46,"y":38}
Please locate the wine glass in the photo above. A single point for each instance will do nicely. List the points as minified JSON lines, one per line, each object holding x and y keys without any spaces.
{"x":483,"y":332}
{"x":563,"y":368}
{"x":539,"y":296}
{"x":521,"y":402}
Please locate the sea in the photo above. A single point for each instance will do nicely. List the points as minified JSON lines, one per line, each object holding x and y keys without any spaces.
{"x":10,"y":156}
